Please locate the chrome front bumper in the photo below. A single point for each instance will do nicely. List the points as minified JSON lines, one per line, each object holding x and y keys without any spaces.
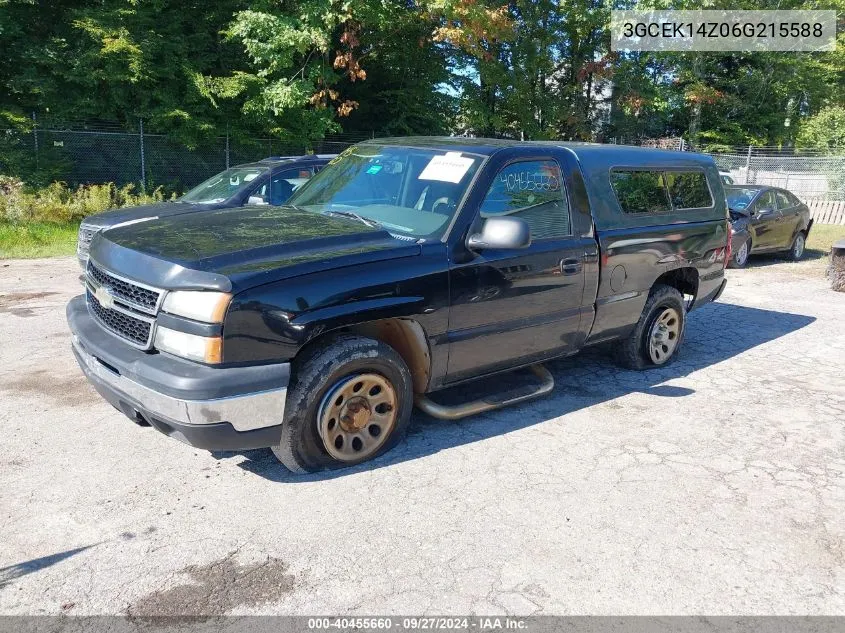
{"x":244,"y":412}
{"x":215,"y":408}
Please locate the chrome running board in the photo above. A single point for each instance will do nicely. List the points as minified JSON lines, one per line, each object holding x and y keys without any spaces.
{"x":496,"y":401}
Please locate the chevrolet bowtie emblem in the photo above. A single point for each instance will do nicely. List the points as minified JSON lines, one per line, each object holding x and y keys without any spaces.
{"x":104,"y":297}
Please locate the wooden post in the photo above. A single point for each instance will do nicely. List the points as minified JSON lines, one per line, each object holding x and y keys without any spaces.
{"x":836,"y":272}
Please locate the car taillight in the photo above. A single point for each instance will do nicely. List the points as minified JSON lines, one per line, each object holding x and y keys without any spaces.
{"x":728,"y":251}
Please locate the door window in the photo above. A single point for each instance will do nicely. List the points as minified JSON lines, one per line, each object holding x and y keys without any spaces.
{"x":534,"y":192}
{"x":783,"y":200}
{"x":285,"y":182}
{"x":766,"y":201}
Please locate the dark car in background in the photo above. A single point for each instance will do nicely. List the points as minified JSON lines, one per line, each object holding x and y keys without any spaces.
{"x":269,"y":181}
{"x":766,"y":220}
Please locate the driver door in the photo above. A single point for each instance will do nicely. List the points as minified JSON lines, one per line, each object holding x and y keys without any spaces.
{"x":510,"y":307}
{"x":765,"y":228}
{"x":791,"y":218}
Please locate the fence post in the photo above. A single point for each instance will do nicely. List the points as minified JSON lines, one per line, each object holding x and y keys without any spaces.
{"x":143,"y":167}
{"x":35,"y":137}
{"x":748,"y":167}
{"x":227,"y":146}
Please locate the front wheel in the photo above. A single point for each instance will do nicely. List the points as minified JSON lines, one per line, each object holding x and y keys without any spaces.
{"x":350,"y":400}
{"x":658,"y":335}
{"x":798,"y":246}
{"x":740,"y":256}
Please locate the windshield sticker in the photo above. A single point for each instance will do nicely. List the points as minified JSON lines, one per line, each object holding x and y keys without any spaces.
{"x":448,"y":168}
{"x":250,"y":177}
{"x":374,"y":169}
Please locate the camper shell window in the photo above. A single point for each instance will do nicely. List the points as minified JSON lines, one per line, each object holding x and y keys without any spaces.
{"x":658,"y":191}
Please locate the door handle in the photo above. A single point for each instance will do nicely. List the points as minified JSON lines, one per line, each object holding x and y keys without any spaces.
{"x":570,"y":266}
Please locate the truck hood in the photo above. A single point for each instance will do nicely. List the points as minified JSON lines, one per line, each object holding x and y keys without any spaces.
{"x":233,"y":249}
{"x":129,"y":214}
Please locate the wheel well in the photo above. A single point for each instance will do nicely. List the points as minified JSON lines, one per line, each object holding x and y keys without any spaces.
{"x":685,"y":280}
{"x":406,"y":336}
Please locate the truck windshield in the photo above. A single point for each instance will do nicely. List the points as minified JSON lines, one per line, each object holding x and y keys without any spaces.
{"x":410,"y":191}
{"x":224,"y":185}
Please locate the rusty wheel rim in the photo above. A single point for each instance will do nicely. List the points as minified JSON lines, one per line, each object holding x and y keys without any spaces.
{"x":664,"y":336}
{"x":357,"y":416}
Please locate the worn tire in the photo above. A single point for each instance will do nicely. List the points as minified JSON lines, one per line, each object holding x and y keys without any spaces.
{"x":737,"y":263}
{"x":799,"y":246}
{"x":633,"y":351}
{"x":301,"y":449}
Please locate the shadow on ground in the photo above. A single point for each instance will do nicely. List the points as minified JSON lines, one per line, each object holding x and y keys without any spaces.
{"x":12,"y":572}
{"x":715,"y":333}
{"x":771,"y":259}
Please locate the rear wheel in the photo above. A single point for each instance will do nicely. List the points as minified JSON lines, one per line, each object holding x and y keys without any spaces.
{"x":350,"y":400}
{"x":798,"y":246}
{"x":658,"y":335}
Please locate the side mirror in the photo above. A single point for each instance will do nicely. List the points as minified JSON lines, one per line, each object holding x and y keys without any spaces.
{"x":501,"y":232}
{"x":765,"y":213}
{"x":255,"y":200}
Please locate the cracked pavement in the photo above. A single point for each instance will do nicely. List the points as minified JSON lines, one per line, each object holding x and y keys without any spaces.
{"x":713,"y":486}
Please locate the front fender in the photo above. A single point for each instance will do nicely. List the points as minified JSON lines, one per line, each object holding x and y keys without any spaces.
{"x":273,"y":322}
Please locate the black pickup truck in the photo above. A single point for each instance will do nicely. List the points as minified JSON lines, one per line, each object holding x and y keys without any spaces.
{"x":404,"y":267}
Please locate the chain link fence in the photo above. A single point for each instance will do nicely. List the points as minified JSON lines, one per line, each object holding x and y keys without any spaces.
{"x":818,"y":180}
{"x":808,"y":177}
{"x":79,"y":157}
{"x":83,"y":156}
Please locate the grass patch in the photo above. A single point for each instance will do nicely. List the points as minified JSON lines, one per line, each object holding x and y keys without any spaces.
{"x":822,"y":237}
{"x":37,"y":239}
{"x":816,"y":254}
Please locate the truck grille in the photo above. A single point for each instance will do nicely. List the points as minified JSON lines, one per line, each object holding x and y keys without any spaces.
{"x":120,"y":323}
{"x":134,"y":295}
{"x":123,"y":307}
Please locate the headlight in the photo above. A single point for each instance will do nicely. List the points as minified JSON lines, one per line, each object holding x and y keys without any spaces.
{"x":205,"y":349}
{"x":200,"y":305}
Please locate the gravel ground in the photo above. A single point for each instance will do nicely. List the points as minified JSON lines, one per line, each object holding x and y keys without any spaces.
{"x":714,"y":486}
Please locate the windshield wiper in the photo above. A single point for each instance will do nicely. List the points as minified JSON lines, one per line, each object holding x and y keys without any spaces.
{"x":360,"y":218}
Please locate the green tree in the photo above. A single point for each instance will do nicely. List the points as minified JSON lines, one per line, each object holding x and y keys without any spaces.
{"x":824,"y":130}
